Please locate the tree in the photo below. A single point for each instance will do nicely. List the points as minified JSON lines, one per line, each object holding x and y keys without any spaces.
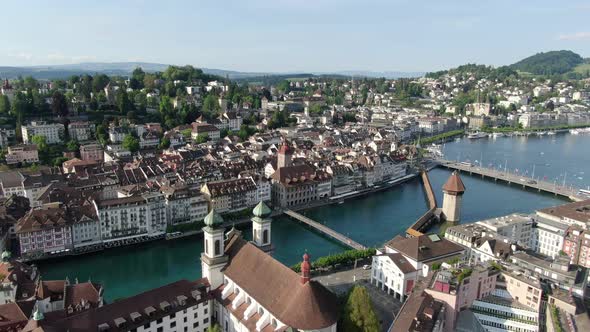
{"x":202,"y":138}
{"x":39,"y":104}
{"x":131,"y":143}
{"x":59,"y":161}
{"x":131,"y":116}
{"x":4,"y":104}
{"x":19,"y":105}
{"x":210,"y":106}
{"x":102,"y":134}
{"x":59,"y":105}
{"x":99,"y":82}
{"x":358,"y":312}
{"x":123,"y":103}
{"x":284,"y":86}
{"x":72,"y":145}
{"x":136,"y":80}
{"x":165,"y":143}
{"x":40,"y":142}
{"x":315,"y":110}
{"x":214,"y":328}
{"x":186,"y":132}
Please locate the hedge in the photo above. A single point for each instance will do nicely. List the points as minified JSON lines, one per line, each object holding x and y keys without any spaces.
{"x":345,"y":257}
{"x":442,"y":136}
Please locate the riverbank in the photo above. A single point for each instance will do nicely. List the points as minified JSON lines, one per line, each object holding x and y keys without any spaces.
{"x":444,"y":137}
{"x":233,"y":222}
{"x":561,"y":128}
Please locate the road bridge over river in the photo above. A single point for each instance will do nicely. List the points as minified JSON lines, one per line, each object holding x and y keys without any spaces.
{"x":514,"y":178}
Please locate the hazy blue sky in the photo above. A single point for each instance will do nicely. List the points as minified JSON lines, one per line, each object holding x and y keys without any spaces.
{"x":290,"y":35}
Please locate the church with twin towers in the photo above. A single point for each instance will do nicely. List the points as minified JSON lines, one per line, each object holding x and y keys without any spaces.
{"x":252,"y":291}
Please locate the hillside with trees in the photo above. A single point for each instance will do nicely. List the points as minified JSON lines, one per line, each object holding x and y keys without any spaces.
{"x":549,"y":63}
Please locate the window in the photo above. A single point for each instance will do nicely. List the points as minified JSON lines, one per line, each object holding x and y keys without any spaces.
{"x":196,"y":324}
{"x":265,"y":236}
{"x":173,"y":325}
{"x":205,"y":311}
{"x":173,"y":315}
{"x":147,"y":325}
{"x":206,"y":320}
{"x":160,"y":329}
{"x":159,"y":321}
{"x":217,"y":247}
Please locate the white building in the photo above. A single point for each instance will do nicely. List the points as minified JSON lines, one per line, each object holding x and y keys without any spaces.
{"x":184,"y":205}
{"x":81,"y":130}
{"x":24,"y":153}
{"x":397,"y":274}
{"x":394,"y":274}
{"x":550,"y":236}
{"x":53,"y":132}
{"x":517,"y":227}
{"x":135,"y":217}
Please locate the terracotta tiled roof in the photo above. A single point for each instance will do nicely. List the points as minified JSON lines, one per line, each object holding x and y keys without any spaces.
{"x":279,"y":289}
{"x":14,"y":315}
{"x":53,"y":289}
{"x":296,"y":174}
{"x":418,"y":314}
{"x":79,"y":295}
{"x":228,"y":187}
{"x":454,"y":184}
{"x":55,"y":216}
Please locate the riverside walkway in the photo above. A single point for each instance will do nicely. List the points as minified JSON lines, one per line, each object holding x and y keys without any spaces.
{"x":325,"y":230}
{"x":520,"y":179}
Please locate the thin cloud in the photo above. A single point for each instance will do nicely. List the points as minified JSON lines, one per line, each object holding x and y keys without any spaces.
{"x":575,"y":36}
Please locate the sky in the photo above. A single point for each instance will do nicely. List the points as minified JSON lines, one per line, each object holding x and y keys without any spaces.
{"x":291,"y":35}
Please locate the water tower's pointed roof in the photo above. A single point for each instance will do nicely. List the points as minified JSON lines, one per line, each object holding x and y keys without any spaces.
{"x":454,"y":184}
{"x":213,"y":219}
{"x":261,"y":210}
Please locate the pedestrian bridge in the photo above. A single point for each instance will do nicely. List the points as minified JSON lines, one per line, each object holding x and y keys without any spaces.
{"x":519,"y":179}
{"x":325,"y":230}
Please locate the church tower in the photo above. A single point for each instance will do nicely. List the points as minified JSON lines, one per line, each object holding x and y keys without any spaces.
{"x":453,"y":195}
{"x":261,"y":232}
{"x":213,"y":259}
{"x":285,"y":155}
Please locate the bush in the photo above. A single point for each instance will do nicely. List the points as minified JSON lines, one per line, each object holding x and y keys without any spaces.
{"x":443,"y":136}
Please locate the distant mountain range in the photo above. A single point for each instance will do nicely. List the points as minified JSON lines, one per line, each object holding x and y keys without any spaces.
{"x":125,"y":68}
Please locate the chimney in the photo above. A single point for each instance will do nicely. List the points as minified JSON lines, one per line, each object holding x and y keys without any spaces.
{"x":305,"y":269}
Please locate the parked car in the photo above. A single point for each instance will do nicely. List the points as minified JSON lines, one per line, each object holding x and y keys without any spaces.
{"x":366,"y":267}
